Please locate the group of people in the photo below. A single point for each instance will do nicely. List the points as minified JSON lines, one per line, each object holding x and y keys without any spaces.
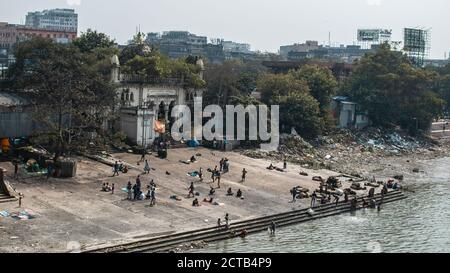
{"x":326,"y":198}
{"x":119,"y":167}
{"x":391,"y":184}
{"x":107,"y":188}
{"x":243,"y":233}
{"x":216,"y":175}
{"x":227,"y":221}
{"x":224,"y":165}
{"x":135,"y":192}
{"x":238,"y":193}
{"x":221,"y":146}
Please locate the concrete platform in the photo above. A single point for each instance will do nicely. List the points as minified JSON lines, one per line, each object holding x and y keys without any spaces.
{"x":75,"y":212}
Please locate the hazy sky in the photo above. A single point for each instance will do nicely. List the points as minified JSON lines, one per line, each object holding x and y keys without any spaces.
{"x":265,"y":24}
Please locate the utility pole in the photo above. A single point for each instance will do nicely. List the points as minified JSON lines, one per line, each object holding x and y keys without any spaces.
{"x":144,"y":107}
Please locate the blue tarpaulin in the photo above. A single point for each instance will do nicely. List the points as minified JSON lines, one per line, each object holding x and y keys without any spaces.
{"x":193,"y":143}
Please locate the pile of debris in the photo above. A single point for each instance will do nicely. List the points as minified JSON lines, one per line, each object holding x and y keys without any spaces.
{"x":344,"y":146}
{"x":292,"y":148}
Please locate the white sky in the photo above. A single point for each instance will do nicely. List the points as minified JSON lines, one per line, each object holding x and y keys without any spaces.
{"x":265,"y":24}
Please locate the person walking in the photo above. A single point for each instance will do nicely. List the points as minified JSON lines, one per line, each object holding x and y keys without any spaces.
{"x":244,"y":174}
{"x":272,"y":227}
{"x":222,"y":161}
{"x":138,"y":182}
{"x":213,"y":174}
{"x":129,"y":188}
{"x":212,"y":191}
{"x":152,"y":197}
{"x":16,"y":170}
{"x":218,"y":179}
{"x":143,"y":155}
{"x":227,"y":220}
{"x":116,"y":169}
{"x":294,"y":194}
{"x":146,"y":167}
{"x":112,"y":188}
{"x":336,"y":199}
{"x":135,"y":192}
{"x":313,"y":199}
{"x":49,"y":171}
{"x":226,"y":165}
{"x":191,"y":190}
{"x":225,"y":143}
{"x":200,"y":174}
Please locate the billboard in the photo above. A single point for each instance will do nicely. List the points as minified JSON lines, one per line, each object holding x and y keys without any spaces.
{"x":374,"y":35}
{"x":415,"y":39}
{"x":416,"y":44}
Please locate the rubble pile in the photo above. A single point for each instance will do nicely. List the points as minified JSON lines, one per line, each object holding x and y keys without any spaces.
{"x":292,"y":148}
{"x":344,"y":150}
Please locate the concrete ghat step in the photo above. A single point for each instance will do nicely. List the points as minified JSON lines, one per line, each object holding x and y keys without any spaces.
{"x":252,"y":228}
{"x":156,"y":243}
{"x":188,"y":234}
{"x":6,"y":198}
{"x":11,"y":199}
{"x":208,"y":234}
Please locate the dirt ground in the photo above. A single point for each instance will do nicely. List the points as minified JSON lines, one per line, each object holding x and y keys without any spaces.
{"x":75,"y":212}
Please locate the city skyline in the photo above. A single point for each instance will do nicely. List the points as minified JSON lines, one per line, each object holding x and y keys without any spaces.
{"x":289,"y":21}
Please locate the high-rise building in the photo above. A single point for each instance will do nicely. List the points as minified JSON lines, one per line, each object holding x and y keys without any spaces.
{"x":230,"y":46}
{"x":55,"y":19}
{"x":8,"y":35}
{"x":60,"y":25}
{"x":180,"y":44}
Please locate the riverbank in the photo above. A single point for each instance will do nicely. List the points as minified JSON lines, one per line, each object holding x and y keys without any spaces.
{"x":360,"y":154}
{"x":418,"y":224}
{"x":74,"y":213}
{"x":70,"y":213}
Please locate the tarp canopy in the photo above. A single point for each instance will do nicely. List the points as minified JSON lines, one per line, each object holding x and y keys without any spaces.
{"x":193,"y":143}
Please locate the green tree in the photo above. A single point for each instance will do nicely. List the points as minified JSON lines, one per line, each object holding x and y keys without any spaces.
{"x":68,"y":94}
{"x":393,"y":91}
{"x":321,"y":82}
{"x":231,"y":79}
{"x":92,"y":40}
{"x":145,"y":66}
{"x":273,"y":86}
{"x":137,"y":47}
{"x":442,"y":87}
{"x":298,"y":109}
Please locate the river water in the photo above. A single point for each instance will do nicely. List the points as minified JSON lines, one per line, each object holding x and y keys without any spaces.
{"x":420,"y":223}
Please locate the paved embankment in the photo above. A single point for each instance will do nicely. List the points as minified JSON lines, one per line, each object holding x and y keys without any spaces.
{"x":169,"y":242}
